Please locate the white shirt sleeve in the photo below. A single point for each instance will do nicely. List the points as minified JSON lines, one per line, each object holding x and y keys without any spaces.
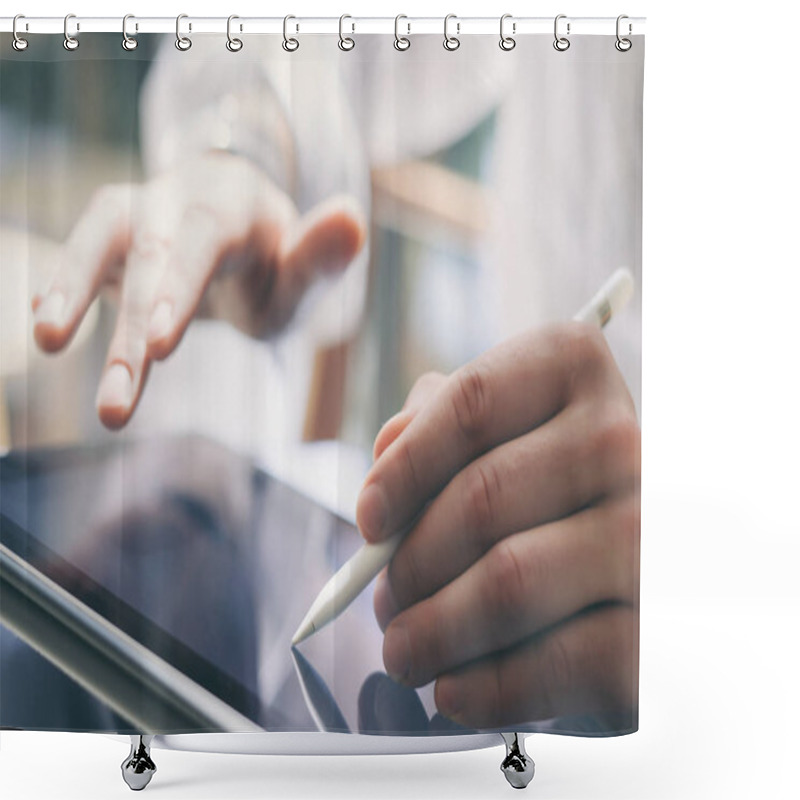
{"x":284,"y":113}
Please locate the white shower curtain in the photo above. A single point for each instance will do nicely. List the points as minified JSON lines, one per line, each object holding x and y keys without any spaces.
{"x":260,"y":306}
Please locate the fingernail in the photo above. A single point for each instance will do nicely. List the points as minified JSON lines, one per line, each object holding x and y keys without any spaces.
{"x":397,"y":653}
{"x":371,"y":512}
{"x":160,"y":321}
{"x":51,"y":310}
{"x":385,"y":605}
{"x":116,"y":388}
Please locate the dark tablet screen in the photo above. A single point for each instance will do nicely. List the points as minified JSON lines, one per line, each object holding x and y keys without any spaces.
{"x":209,"y":562}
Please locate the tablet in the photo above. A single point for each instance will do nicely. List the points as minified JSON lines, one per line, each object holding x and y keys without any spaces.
{"x":191,"y":567}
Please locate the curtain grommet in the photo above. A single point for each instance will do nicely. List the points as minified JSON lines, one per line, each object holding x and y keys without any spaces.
{"x":233,"y":44}
{"x":623,"y":44}
{"x":128,"y":42}
{"x":18,"y":43}
{"x":451,"y":43}
{"x":346,"y":43}
{"x":507,"y":43}
{"x":183,"y":43}
{"x":70,"y":42}
{"x":401,"y":43}
{"x":289,"y":44}
{"x":561,"y":43}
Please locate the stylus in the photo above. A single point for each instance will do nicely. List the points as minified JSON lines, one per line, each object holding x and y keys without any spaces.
{"x":359,"y":571}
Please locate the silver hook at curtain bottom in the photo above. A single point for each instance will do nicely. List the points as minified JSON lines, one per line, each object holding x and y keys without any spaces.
{"x":138,"y":768}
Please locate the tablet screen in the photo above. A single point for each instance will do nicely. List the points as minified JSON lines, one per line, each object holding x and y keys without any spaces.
{"x":209,"y":562}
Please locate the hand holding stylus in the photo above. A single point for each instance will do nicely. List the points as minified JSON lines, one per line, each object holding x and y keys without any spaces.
{"x":213,"y":237}
{"x":516,"y":586}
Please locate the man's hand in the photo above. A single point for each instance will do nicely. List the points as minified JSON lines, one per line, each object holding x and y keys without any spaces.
{"x":213,"y":237}
{"x":517,"y":585}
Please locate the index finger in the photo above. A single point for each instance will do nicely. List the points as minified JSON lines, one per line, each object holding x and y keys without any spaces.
{"x":501,"y":395}
{"x":98,"y":240}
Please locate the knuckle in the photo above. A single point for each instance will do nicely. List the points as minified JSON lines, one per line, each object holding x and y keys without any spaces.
{"x":625,"y":537}
{"x":507,"y":583}
{"x":472,"y":401}
{"x":428,"y":380}
{"x":629,"y":520}
{"x":427,"y":633}
{"x":619,"y":442}
{"x":147,"y":244}
{"x":407,"y":463}
{"x":583,"y":349}
{"x":406,"y":577}
{"x":554,"y":676}
{"x":482,"y":489}
{"x":587,"y":343}
{"x":423,"y":389}
{"x":427,"y":383}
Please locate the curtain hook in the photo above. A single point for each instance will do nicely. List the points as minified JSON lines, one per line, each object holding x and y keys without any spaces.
{"x":561,"y":43}
{"x":401,"y":42}
{"x":182,"y":42}
{"x":451,"y":42}
{"x":18,"y":43}
{"x":290,"y":44}
{"x":346,"y":42}
{"x":233,"y":44}
{"x":70,"y":42}
{"x":128,"y":42}
{"x":623,"y":44}
{"x":507,"y":42}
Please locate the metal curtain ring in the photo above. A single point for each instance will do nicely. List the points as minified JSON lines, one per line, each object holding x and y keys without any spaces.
{"x":128,"y":42}
{"x":182,"y":42}
{"x":401,"y":42}
{"x":622,"y":44}
{"x":561,"y":43}
{"x":18,"y":43}
{"x":346,"y":42}
{"x":451,"y":42}
{"x":233,"y":44}
{"x":70,"y":42}
{"x":507,"y":42}
{"x":289,"y":44}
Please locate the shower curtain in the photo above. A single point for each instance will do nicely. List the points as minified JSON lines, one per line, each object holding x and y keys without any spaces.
{"x":265,"y":305}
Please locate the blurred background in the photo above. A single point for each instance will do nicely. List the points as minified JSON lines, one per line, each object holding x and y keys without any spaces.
{"x":69,"y":125}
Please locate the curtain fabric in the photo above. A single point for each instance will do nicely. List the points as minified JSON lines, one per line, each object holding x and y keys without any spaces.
{"x":260,"y":308}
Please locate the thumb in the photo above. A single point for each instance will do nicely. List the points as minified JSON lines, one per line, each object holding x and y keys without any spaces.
{"x":422,"y":391}
{"x":325,"y":240}
{"x":322,"y":242}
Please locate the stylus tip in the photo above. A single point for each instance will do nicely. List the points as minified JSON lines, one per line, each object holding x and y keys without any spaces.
{"x":303,"y":632}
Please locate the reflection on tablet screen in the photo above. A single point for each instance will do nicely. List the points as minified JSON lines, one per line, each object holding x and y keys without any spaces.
{"x":210,"y":563}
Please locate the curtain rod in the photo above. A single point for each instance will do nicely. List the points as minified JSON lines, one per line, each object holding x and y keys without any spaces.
{"x":330,"y":25}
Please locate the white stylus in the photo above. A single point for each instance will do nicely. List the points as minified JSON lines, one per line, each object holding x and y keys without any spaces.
{"x":359,"y":571}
